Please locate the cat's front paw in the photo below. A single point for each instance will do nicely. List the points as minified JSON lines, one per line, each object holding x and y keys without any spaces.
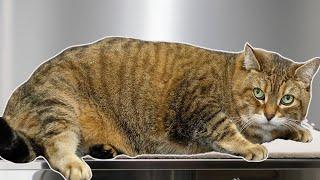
{"x":73,"y":168}
{"x":255,"y":152}
{"x":303,"y":135}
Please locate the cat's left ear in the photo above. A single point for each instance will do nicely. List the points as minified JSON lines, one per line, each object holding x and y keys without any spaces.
{"x":306,"y":71}
{"x":250,"y":61}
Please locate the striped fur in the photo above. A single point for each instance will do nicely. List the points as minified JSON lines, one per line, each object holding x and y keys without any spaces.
{"x":134,"y":97}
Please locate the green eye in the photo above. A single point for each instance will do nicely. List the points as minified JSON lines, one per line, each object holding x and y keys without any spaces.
{"x":258,"y":93}
{"x":287,"y":99}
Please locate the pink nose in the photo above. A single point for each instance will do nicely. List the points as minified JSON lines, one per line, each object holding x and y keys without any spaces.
{"x":269,"y":116}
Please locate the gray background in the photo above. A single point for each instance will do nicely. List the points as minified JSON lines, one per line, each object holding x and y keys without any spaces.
{"x":33,"y":31}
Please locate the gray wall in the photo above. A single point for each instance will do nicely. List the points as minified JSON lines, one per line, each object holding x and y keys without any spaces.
{"x":33,"y":31}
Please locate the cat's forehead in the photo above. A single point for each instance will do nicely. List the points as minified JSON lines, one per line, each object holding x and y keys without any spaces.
{"x":276,"y":70}
{"x":276,"y":66}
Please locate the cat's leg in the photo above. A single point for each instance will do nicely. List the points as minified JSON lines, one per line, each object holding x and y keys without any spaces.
{"x":60,"y":151}
{"x":60,"y":137}
{"x":225,"y":135}
{"x":103,"y":151}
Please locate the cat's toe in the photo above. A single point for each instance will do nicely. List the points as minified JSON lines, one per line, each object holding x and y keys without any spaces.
{"x":306,"y":136}
{"x":256,"y":152}
{"x":76,"y":169}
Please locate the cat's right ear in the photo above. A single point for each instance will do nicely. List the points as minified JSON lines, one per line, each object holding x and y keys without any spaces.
{"x":250,"y":61}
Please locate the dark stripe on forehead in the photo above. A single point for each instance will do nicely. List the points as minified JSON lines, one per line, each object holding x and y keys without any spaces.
{"x":278,"y":73}
{"x":275,"y":81}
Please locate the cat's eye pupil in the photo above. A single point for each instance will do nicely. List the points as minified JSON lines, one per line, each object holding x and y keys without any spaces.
{"x":258,"y":93}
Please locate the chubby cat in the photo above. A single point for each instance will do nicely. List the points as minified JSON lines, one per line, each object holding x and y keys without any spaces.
{"x":123,"y":95}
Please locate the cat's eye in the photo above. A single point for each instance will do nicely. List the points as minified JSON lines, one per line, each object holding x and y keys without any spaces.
{"x":258,"y":93}
{"x":287,"y":99}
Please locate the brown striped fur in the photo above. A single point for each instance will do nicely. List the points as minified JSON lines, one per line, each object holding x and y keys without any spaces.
{"x":140,"y":97}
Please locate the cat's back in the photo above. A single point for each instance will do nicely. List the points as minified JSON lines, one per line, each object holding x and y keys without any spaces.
{"x":116,"y":51}
{"x":122,"y":67}
{"x":114,"y":62}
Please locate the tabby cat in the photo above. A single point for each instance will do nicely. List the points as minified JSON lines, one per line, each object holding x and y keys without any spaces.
{"x":123,"y":95}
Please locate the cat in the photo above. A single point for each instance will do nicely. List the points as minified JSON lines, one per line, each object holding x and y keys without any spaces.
{"x":123,"y":95}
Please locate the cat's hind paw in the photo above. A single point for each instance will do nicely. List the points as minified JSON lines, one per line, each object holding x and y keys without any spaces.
{"x":103,"y":151}
{"x":256,"y":152}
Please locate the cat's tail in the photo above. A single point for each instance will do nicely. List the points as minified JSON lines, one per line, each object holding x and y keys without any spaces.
{"x":14,"y":146}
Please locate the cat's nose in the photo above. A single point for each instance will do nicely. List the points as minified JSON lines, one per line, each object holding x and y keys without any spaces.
{"x":269,"y":116}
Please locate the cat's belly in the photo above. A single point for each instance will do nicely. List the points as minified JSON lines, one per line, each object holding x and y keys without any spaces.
{"x":98,"y":128}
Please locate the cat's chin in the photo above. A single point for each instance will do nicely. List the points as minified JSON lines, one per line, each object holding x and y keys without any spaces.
{"x":276,"y":122}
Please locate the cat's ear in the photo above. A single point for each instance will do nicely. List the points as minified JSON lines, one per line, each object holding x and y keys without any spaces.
{"x":306,"y":71}
{"x":250,"y":61}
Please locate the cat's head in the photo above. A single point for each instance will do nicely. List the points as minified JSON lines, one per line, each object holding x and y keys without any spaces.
{"x":270,"y":89}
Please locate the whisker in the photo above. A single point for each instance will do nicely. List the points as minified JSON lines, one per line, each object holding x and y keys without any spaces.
{"x":243,"y":125}
{"x":247,"y":125}
{"x":287,"y":126}
{"x":294,"y":121}
{"x":290,"y":125}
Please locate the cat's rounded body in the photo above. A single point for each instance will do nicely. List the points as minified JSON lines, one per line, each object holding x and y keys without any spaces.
{"x":116,"y":91}
{"x":139,"y":97}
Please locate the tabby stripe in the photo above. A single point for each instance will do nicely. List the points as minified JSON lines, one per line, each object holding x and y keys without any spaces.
{"x":217,"y":124}
{"x":157,"y":57}
{"x":193,"y":95}
{"x":228,"y":133}
{"x":146,"y":82}
{"x":53,"y":118}
{"x":102,"y":64}
{"x":133,"y":75}
{"x":152,"y":60}
{"x":131,"y":134}
{"x":121,"y":86}
{"x":54,"y":102}
{"x":166,"y":62}
{"x":195,"y":115}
